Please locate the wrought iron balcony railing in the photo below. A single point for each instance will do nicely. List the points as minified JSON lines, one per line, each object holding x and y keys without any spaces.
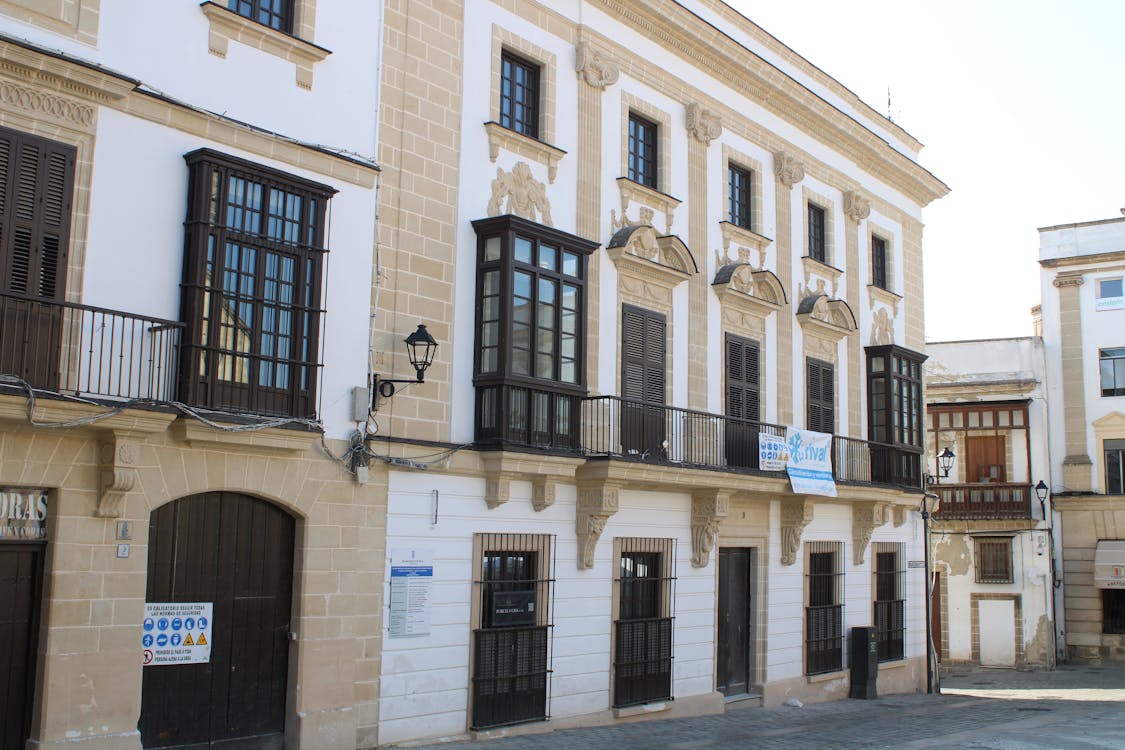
{"x":88,"y":351}
{"x":982,"y":501}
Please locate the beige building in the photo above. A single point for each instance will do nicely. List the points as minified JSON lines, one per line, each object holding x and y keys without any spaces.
{"x":1083,"y":317}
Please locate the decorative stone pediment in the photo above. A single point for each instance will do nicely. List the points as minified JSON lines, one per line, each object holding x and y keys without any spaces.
{"x":596,"y":503}
{"x":595,"y":67}
{"x":637,"y":251}
{"x":708,"y":509}
{"x":519,"y":193}
{"x":827,"y":318}
{"x":521,"y":145}
{"x":866,"y":516}
{"x":856,"y":206}
{"x":758,"y":292}
{"x":789,"y":171}
{"x":704,"y":125}
{"x":796,"y":514}
{"x":650,"y":202}
{"x":118,"y":456}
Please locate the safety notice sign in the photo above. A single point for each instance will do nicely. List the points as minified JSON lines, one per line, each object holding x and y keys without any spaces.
{"x":177,"y":633}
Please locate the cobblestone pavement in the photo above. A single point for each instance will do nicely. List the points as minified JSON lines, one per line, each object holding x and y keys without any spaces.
{"x":984,"y":709}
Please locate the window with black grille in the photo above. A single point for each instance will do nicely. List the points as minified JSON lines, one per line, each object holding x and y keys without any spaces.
{"x":519,"y":94}
{"x":251,"y":295}
{"x":642,"y":664}
{"x":642,"y":151}
{"x":740,"y":190}
{"x":879,"y":262}
{"x":511,"y":666}
{"x":820,"y":395}
{"x":890,"y":600}
{"x":824,"y":611}
{"x":994,"y":559}
{"x":277,"y":14}
{"x":1113,"y":611}
{"x":817,"y":242}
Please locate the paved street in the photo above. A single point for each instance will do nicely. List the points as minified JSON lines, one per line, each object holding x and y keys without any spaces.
{"x":1072,"y":707}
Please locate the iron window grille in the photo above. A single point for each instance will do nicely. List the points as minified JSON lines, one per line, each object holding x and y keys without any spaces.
{"x":642,"y":664}
{"x":519,"y":94}
{"x":740,"y":189}
{"x":512,"y":643}
{"x":251,"y":296}
{"x":1112,"y":365}
{"x":277,"y":14}
{"x":817,"y":243}
{"x":530,"y":373}
{"x":824,"y":611}
{"x":1114,"y":451}
{"x":642,"y":151}
{"x":890,"y":600}
{"x":993,"y":559}
{"x":879,"y":262}
{"x":1113,"y":611}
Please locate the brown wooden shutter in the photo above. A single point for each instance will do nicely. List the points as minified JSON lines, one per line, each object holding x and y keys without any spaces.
{"x":36,"y":191}
{"x":643,"y":355}
{"x":743,"y":379}
{"x":820,"y":395}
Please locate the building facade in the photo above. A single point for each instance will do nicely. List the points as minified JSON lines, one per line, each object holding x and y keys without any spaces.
{"x":1082,"y":312}
{"x":996,"y":588}
{"x":185,"y":278}
{"x":649,"y":239}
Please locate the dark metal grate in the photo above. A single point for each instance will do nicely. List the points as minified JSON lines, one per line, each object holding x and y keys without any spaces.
{"x":824,"y":614}
{"x":994,"y":559}
{"x":642,"y":664}
{"x":890,"y":623}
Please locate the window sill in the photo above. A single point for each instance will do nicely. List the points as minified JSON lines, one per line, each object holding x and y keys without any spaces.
{"x":826,"y":676}
{"x":649,"y":197}
{"x":886,"y":296}
{"x":227,"y":25}
{"x":523,"y":145}
{"x":744,"y":239}
{"x":814,"y":267}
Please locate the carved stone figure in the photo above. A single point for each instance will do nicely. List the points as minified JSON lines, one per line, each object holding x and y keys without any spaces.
{"x":518,"y":192}
{"x":882,"y":328}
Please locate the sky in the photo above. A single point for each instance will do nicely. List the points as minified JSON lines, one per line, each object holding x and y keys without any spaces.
{"x":1019,"y":106}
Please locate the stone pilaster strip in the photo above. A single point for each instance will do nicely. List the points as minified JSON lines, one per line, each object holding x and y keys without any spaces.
{"x":788,"y":172}
{"x":594,"y":73}
{"x":697,"y":285}
{"x":853,"y":207}
{"x":1076,"y":463}
{"x":913,"y":296}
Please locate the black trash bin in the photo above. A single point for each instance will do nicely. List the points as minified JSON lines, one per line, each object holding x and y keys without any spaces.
{"x":864,"y":653}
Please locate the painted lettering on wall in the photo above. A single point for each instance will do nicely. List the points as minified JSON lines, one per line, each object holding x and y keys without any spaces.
{"x":23,"y":514}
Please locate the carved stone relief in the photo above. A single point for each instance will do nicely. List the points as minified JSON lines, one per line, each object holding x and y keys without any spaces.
{"x":882,"y":328}
{"x":117,"y":473}
{"x":708,"y":508}
{"x":596,"y":503}
{"x":789,"y":171}
{"x":866,"y":516}
{"x":796,"y":514}
{"x":543,"y":492}
{"x":595,"y":67}
{"x":856,"y":206}
{"x":898,"y":515}
{"x":498,"y":488}
{"x":704,"y":125}
{"x":518,"y":192}
{"x":56,"y":107}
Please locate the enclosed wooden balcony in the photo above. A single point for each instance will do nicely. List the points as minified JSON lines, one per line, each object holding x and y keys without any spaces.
{"x":983,"y":501}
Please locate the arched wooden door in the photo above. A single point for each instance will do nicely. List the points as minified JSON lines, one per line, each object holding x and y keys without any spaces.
{"x":236,"y":552}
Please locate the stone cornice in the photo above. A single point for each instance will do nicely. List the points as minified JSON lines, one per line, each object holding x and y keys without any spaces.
{"x":675,"y":28}
{"x":1114,"y":256}
{"x":276,"y":440}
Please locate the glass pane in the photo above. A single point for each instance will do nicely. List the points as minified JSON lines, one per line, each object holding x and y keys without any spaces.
{"x":548,"y":257}
{"x":521,"y":361}
{"x":1003,"y":418}
{"x":491,"y":283}
{"x":523,"y":250}
{"x":1017,"y":418}
{"x":974,"y":419}
{"x":1107,"y":374}
{"x":957,"y":420}
{"x":571,"y":263}
{"x":492,"y":249}
{"x":1110,"y":288}
{"x":986,"y":419}
{"x":877,"y":364}
{"x":1119,"y":375}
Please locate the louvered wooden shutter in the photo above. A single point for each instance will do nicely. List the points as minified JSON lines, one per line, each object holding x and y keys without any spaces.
{"x":743,"y":379}
{"x":820,"y":395}
{"x":36,"y":189}
{"x":643,"y":355}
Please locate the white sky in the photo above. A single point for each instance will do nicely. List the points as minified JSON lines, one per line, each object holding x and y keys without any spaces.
{"x":1016,"y":103}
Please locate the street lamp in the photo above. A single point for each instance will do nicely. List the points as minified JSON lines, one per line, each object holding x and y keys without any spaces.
{"x":945,"y":463}
{"x":420,"y":349}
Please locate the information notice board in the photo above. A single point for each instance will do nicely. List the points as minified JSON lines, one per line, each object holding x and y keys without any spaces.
{"x":177,"y":633}
{"x":412,"y":580}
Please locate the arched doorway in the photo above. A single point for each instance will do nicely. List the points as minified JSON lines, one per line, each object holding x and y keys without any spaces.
{"x":235,"y":552}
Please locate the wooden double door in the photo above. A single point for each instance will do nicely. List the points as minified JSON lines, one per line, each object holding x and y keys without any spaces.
{"x":235,"y":552}
{"x":21,"y":581}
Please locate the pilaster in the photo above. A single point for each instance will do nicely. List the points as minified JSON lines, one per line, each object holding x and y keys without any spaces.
{"x":703,"y":128}
{"x":1076,"y":464}
{"x":788,"y":173}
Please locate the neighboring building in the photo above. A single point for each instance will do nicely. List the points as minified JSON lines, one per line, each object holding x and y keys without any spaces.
{"x":181,"y":250}
{"x":1083,"y":319}
{"x":644,"y":233}
{"x":995,"y":583}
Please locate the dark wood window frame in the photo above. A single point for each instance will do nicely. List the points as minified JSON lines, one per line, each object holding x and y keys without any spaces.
{"x":1114,"y":452}
{"x":993,"y":559}
{"x":740,"y":191}
{"x":820,"y":395}
{"x":252,"y":284}
{"x":878,"y":261}
{"x":519,"y":94}
{"x":644,"y":381}
{"x":890,"y":600}
{"x":530,"y":353}
{"x":824,"y":608}
{"x":894,"y":412}
{"x":643,"y":152}
{"x":818,"y":244}
{"x":276,"y":14}
{"x":1111,"y":365}
{"x":643,"y":648}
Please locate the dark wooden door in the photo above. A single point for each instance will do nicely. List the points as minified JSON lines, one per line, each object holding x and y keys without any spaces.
{"x":735,"y":607}
{"x":643,"y":361}
{"x":237,"y":552}
{"x":36,"y":188}
{"x":21,"y":574}
{"x":743,"y":400}
{"x":986,"y":461}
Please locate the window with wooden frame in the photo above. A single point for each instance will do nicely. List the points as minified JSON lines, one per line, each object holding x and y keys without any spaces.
{"x":1114,"y":452}
{"x":277,"y":14}
{"x":890,"y":600}
{"x":643,"y":381}
{"x":878,"y":262}
{"x":1111,"y":364}
{"x":642,"y":662}
{"x":251,"y":300}
{"x":642,"y":151}
{"x":530,"y":369}
{"x":514,"y":594}
{"x":817,"y":249}
{"x":820,"y":395}
{"x":743,"y":401}
{"x":519,"y":94}
{"x":740,"y":184}
{"x":824,"y":608}
{"x":993,"y":558}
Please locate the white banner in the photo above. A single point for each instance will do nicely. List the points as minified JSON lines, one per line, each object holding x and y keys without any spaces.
{"x":810,"y":462}
{"x":773,"y":452}
{"x":177,"y":633}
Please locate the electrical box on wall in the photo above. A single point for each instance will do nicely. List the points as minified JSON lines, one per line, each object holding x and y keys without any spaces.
{"x":361,"y":404}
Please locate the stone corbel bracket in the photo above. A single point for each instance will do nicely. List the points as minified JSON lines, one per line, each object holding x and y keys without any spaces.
{"x":898,"y":515}
{"x":498,"y":488}
{"x":708,"y":509}
{"x":703,"y":124}
{"x":796,"y":514}
{"x":788,"y":170}
{"x":598,"y":69}
{"x":543,"y":492}
{"x":596,"y":503}
{"x":856,"y":206}
{"x":865,"y":517}
{"x":118,"y":456}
